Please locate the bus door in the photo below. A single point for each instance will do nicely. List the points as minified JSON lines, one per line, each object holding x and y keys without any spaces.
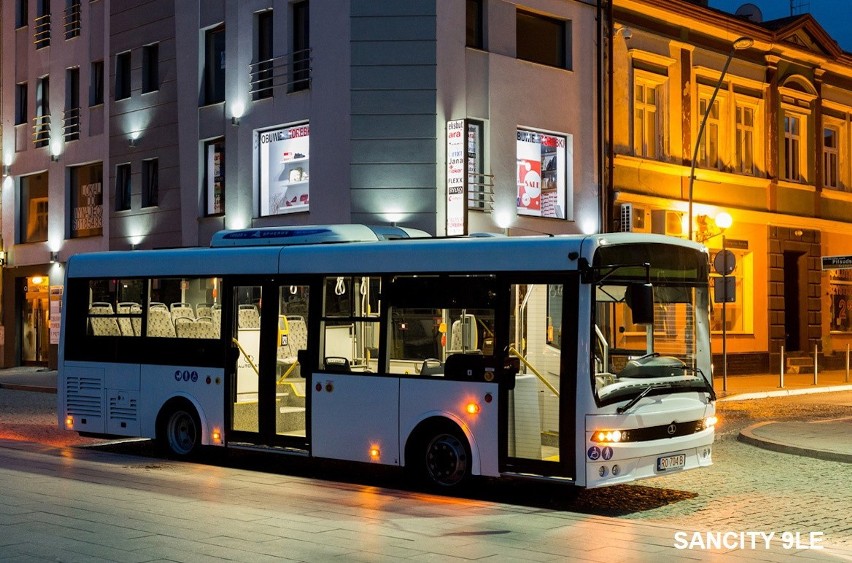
{"x":269,"y":328}
{"x":538,"y":418}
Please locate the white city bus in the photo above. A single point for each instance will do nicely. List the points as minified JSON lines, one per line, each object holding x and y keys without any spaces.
{"x":584,"y":359}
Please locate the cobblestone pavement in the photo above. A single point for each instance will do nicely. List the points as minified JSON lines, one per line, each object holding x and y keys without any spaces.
{"x":748,"y":489}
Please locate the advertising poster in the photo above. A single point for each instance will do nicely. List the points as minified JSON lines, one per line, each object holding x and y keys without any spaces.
{"x":284,"y":174}
{"x":55,"y":312}
{"x":476,"y":198}
{"x":456,"y":199}
{"x":87,"y":197}
{"x":542,"y":163}
{"x":216,"y":178}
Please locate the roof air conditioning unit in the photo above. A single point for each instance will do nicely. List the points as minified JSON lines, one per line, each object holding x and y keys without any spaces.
{"x":625,"y":224}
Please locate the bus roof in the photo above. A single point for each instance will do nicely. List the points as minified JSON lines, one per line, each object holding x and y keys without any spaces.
{"x":311,"y":234}
{"x":459,"y":255}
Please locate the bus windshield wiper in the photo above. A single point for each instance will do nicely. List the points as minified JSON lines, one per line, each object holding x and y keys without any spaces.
{"x":637,"y":398}
{"x":707,"y":383}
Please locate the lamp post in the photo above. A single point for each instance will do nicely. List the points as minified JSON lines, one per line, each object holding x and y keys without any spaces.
{"x":724,"y":263}
{"x":739,"y":44}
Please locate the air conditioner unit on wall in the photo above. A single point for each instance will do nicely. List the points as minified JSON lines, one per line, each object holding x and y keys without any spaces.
{"x":666,"y":222}
{"x":631,"y":218}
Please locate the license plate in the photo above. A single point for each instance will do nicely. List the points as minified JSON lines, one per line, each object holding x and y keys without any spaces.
{"x":671,"y":462}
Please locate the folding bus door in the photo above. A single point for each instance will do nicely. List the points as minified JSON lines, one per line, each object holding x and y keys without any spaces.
{"x":539,"y":413}
{"x":268,"y":394}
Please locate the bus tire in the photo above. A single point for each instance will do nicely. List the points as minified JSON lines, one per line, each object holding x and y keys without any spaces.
{"x":179,"y":430}
{"x":441,"y":456}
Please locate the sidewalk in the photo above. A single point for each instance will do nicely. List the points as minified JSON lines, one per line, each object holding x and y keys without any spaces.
{"x":820,"y":439}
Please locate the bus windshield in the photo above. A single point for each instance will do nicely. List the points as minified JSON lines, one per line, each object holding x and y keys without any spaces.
{"x":665,"y":352}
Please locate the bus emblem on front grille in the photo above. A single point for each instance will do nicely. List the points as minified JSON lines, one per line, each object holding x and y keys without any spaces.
{"x":672,"y":429}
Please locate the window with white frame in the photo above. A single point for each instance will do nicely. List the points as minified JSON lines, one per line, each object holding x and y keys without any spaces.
{"x":648,"y":130}
{"x":793,"y":127}
{"x":830,"y":156}
{"x":745,"y":138}
{"x":708,"y":148}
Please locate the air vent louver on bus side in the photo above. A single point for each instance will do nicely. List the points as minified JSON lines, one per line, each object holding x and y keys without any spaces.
{"x":83,"y":396}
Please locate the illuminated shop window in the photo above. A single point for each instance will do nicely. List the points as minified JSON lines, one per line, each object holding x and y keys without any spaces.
{"x":284,"y":176}
{"x":87,"y":200}
{"x":840,"y":292}
{"x":544,"y":174}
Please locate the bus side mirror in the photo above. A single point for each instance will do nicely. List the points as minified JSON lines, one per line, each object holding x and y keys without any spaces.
{"x":640,"y":299}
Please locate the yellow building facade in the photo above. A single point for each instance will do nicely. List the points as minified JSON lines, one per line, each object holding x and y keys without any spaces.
{"x":773,"y":155}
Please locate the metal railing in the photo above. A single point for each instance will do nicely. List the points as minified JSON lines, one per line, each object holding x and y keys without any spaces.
{"x":72,"y":21}
{"x":292,"y":70}
{"x":71,"y":124}
{"x":41,"y":130}
{"x":480,"y":192}
{"x":41,"y":31}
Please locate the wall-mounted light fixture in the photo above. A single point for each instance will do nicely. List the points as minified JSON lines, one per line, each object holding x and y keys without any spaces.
{"x":238,"y":108}
{"x":55,"y":150}
{"x":133,"y":139}
{"x":54,"y":257}
{"x":7,"y":170}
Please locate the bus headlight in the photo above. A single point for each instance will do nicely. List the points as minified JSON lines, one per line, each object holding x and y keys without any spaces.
{"x":610,"y":436}
{"x":710,"y":422}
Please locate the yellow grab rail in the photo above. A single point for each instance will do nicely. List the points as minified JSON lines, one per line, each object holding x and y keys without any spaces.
{"x":242,"y":350}
{"x":535,"y":371}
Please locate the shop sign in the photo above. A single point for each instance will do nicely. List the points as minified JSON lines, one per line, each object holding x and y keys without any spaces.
{"x":836,"y":262}
{"x":456,"y":178}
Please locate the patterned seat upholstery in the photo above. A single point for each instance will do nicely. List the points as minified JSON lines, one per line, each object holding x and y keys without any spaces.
{"x":101,"y":321}
{"x":248,"y":317}
{"x":199,"y":328}
{"x":130,"y":326}
{"x":160,"y":323}
{"x":181,"y":311}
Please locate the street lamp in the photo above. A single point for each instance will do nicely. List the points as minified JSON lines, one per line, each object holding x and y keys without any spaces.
{"x":739,"y":44}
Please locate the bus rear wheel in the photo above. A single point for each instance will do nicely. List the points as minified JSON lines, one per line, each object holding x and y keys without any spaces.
{"x":445,"y":458}
{"x":180,"y":433}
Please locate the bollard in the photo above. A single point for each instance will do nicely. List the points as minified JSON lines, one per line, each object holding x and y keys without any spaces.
{"x":816,"y":361}
{"x":782,"y":368}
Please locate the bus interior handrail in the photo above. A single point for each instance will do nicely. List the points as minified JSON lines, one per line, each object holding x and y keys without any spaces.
{"x":535,"y":371}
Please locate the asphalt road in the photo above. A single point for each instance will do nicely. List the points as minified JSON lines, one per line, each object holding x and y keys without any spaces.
{"x":746,"y":490}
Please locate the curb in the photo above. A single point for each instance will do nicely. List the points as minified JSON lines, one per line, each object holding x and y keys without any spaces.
{"x":747,"y":436}
{"x":32,"y":388}
{"x":786,"y":392}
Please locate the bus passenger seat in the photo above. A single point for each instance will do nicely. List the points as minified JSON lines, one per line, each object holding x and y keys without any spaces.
{"x":248,"y":317}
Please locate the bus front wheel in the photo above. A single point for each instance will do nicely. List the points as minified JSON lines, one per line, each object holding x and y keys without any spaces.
{"x":444,"y":457}
{"x":180,"y":431}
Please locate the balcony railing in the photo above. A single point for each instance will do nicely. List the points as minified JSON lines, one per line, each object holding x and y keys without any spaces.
{"x":292,"y":70}
{"x":72,"y":21}
{"x":480,"y":192}
{"x":71,"y":124}
{"x":41,"y":130}
{"x":41,"y":31}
